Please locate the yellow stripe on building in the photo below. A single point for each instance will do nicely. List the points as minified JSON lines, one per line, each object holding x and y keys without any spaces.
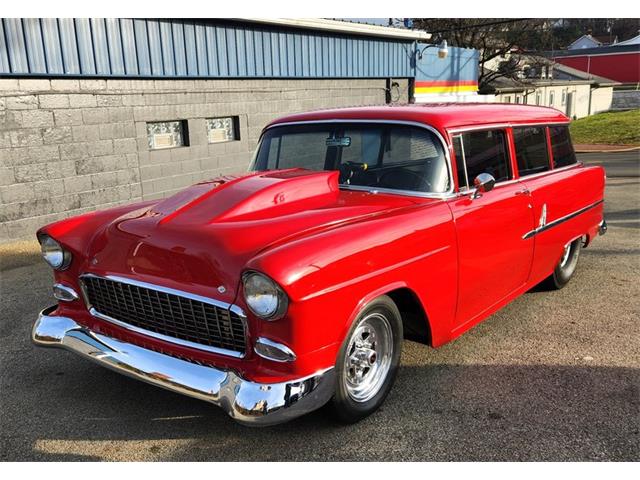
{"x":447,"y":89}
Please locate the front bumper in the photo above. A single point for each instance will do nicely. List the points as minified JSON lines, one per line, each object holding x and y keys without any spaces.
{"x":247,"y":402}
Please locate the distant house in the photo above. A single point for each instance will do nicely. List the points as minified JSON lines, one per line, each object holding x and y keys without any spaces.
{"x":592,"y":41}
{"x":575,"y":93}
{"x":632,"y":41}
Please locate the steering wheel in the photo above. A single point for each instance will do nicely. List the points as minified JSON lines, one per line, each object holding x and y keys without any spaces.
{"x":348,"y":169}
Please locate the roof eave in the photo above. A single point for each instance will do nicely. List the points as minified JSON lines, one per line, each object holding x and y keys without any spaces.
{"x":344,"y":27}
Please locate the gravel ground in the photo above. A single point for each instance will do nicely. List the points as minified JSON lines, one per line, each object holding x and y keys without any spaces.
{"x":553,"y":376}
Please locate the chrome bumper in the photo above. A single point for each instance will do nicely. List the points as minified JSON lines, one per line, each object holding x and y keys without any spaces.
{"x":602,"y":227}
{"x":247,"y":402}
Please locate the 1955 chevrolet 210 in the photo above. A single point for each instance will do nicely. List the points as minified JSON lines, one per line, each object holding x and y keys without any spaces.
{"x":273,"y":293}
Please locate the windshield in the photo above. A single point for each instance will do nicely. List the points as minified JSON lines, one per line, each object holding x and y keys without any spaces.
{"x":392,"y":156}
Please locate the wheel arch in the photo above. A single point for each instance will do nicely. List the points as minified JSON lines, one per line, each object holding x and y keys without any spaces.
{"x":415,"y":320}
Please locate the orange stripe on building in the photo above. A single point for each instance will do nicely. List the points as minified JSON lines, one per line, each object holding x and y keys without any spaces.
{"x":446,"y":86}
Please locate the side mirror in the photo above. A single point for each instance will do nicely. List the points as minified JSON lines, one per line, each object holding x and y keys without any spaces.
{"x":483,"y":183}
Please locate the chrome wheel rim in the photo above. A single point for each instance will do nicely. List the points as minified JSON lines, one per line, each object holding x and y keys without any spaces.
{"x":368,"y":357}
{"x":565,"y":255}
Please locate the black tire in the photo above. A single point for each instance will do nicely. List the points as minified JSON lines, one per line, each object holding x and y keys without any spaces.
{"x":564,"y":269}
{"x":347,"y":408}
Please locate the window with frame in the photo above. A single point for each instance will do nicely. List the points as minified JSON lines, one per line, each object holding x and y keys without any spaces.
{"x":390,"y":156}
{"x":551,"y":98}
{"x":531,"y":150}
{"x":168,"y":134}
{"x":538,"y":98}
{"x":223,"y":129}
{"x":482,"y":152}
{"x":561,"y":146}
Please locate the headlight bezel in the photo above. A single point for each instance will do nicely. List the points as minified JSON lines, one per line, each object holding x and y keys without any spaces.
{"x":282,"y":299}
{"x":49,"y":247}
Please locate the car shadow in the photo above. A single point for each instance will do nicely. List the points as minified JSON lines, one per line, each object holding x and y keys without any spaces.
{"x":434,"y":412}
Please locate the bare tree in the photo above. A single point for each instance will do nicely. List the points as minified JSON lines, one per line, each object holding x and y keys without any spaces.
{"x":493,"y":38}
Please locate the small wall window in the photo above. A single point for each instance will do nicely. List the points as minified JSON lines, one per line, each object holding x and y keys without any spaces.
{"x":552,"y":96}
{"x":538,"y":98}
{"x":518,"y":99}
{"x":169,"y":134}
{"x":223,"y":129}
{"x":531,"y":150}
{"x":563,"y":100}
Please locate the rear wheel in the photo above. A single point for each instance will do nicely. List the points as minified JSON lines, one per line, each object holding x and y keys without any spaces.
{"x":566,"y":266}
{"x":368,"y":361}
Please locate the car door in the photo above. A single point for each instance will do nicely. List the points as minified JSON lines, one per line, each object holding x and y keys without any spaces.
{"x":547,"y":165}
{"x":494,"y":259}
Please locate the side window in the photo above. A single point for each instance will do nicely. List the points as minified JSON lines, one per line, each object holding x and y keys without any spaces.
{"x":531,"y":150}
{"x":486,"y":152}
{"x":561,"y":147}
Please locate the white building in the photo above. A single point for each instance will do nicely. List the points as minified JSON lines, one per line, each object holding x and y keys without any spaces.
{"x":574,"y":92}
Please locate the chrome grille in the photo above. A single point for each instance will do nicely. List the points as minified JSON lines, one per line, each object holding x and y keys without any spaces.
{"x":157,"y":311}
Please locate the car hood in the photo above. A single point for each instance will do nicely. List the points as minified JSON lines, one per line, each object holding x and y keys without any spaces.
{"x":202,"y":237}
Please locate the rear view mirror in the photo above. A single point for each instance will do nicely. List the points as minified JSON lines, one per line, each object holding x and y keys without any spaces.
{"x":483,"y":183}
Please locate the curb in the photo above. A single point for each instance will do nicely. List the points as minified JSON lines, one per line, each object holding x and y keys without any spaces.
{"x":612,"y":150}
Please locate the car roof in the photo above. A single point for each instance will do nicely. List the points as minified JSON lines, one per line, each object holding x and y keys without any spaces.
{"x":442,"y":116}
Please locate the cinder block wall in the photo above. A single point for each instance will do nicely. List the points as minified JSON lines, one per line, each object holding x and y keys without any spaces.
{"x":72,"y":146}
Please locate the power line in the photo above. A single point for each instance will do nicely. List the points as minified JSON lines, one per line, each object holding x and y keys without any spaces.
{"x":479,"y":25}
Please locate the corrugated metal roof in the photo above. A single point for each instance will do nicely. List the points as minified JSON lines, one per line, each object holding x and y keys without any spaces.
{"x":194,"y":48}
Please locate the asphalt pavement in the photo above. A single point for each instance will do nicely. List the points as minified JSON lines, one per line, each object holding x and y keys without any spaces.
{"x":553,"y":376}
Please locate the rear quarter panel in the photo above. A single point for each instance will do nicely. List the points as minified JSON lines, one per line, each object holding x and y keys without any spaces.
{"x":564,"y":192}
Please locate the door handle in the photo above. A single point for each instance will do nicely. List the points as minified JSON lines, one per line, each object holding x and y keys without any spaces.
{"x":523,"y":192}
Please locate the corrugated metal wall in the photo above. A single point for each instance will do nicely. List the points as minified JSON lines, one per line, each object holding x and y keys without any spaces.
{"x":192,"y":48}
{"x":460,"y":64}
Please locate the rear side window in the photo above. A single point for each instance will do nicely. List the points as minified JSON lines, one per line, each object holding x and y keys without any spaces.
{"x":482,"y":152}
{"x":562,"y":147}
{"x":531,"y":150}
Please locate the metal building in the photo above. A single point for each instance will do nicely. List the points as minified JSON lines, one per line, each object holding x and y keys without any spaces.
{"x":99,"y":112}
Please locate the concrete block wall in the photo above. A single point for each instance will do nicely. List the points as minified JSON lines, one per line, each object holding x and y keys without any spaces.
{"x":69,"y":146}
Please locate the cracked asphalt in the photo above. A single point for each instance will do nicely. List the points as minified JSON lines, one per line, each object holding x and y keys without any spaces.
{"x":553,"y":376}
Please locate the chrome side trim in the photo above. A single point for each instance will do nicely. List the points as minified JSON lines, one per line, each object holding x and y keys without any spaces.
{"x":560,"y":220}
{"x":250,"y":403}
{"x":177,"y":341}
{"x":449,"y":193}
{"x":287,"y":353}
{"x":64,"y":293}
{"x":550,"y":172}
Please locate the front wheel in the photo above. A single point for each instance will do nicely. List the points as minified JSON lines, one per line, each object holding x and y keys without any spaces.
{"x":368,"y":361}
{"x":566,"y":266}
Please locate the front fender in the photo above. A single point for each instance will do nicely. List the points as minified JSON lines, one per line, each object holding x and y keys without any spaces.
{"x":331,"y":276}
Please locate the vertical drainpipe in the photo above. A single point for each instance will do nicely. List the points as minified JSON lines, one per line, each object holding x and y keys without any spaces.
{"x":414,"y":70}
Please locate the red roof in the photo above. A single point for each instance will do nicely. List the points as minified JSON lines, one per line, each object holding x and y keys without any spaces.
{"x":440,"y":116}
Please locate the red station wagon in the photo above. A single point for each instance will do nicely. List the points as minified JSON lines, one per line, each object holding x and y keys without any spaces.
{"x":273,"y":293}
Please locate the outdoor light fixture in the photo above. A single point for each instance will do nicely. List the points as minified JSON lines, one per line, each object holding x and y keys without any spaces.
{"x":443,"y":50}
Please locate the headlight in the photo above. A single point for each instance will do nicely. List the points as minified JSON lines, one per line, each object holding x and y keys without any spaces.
{"x":264,"y":297}
{"x":53,"y":253}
